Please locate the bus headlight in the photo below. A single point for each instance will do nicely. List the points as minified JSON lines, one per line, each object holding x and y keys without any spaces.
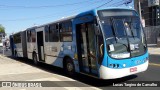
{"x":114,"y":65}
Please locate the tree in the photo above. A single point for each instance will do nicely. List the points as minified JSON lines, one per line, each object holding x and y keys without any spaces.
{"x":2,"y":29}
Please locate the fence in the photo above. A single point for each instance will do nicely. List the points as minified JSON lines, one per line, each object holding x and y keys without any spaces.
{"x":152,"y":34}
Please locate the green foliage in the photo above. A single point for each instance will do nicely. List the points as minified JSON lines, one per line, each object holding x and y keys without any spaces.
{"x":2,"y":29}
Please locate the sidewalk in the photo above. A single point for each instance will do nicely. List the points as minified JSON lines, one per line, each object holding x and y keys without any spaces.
{"x":154,"y":50}
{"x":15,"y":70}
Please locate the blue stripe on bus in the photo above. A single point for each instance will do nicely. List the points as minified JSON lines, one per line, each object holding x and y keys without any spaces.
{"x":131,"y":62}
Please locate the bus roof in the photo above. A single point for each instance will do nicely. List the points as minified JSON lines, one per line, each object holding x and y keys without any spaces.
{"x":17,"y":32}
{"x":111,"y":8}
{"x":78,"y":15}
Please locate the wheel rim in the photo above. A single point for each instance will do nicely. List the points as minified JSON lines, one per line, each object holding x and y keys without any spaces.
{"x":69,"y":67}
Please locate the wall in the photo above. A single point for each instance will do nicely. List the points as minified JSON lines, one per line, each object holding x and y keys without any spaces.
{"x":152,"y":34}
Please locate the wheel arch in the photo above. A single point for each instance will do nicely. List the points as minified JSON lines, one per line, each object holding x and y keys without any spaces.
{"x":65,"y":58}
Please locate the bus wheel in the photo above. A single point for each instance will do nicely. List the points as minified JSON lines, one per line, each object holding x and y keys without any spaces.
{"x":35,"y":59}
{"x":69,"y":67}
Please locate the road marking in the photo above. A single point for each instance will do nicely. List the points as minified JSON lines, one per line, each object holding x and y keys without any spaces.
{"x":154,"y":64}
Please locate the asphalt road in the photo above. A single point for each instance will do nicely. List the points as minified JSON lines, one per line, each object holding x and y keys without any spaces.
{"x":152,"y":74}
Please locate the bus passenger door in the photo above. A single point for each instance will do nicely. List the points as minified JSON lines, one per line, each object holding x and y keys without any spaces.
{"x":86,"y":48}
{"x":40,"y":45}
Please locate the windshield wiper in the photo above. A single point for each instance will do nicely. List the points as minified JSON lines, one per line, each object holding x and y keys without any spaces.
{"x":113,"y":23}
{"x":113,"y":29}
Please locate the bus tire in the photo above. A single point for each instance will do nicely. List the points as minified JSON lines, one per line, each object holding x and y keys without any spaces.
{"x":69,"y":67}
{"x":35,"y":59}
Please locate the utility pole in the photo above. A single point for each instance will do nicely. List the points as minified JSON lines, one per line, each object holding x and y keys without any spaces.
{"x":139,"y":7}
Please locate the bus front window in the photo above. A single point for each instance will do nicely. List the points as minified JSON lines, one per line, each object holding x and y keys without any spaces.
{"x":116,"y":38}
{"x":124,"y":36}
{"x":136,"y":36}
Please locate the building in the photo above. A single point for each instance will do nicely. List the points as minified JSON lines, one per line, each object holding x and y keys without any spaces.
{"x":150,"y":11}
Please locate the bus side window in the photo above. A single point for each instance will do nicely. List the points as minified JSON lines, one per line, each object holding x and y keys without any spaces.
{"x":29,"y":35}
{"x":60,"y":30}
{"x":53,"y":33}
{"x":46,"y":34}
{"x":17,"y":38}
{"x":33,"y":35}
{"x":65,"y":31}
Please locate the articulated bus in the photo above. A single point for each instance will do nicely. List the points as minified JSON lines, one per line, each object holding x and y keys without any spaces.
{"x":18,"y":44}
{"x":104,"y":43}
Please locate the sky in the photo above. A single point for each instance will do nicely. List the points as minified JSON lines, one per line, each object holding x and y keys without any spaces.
{"x":17,"y":15}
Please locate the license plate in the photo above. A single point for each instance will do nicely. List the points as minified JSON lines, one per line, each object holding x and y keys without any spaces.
{"x":134,"y":69}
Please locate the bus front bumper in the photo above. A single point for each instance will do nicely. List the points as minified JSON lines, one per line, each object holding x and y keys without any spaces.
{"x":110,"y":73}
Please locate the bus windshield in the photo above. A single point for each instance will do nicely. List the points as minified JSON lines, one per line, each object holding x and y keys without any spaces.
{"x":124,"y":36}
